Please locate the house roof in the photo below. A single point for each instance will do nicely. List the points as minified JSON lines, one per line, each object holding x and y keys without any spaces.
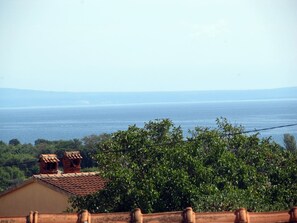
{"x":78,"y":184}
{"x":72,"y":184}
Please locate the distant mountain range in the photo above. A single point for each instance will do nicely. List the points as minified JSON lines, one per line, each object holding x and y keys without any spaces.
{"x":31,"y":98}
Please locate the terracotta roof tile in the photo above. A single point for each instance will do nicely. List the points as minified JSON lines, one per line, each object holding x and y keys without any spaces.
{"x":48,"y":158}
{"x":74,"y":183}
{"x":73,"y":155}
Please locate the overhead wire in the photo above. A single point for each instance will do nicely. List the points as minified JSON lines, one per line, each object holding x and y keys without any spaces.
{"x":263,"y":129}
{"x":231,"y":134}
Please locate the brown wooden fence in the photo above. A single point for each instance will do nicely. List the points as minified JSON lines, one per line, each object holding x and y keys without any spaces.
{"x":186,"y":216}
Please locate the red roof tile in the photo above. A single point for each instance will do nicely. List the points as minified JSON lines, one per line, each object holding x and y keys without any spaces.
{"x":73,"y":155}
{"x":74,"y":183}
{"x":48,"y":158}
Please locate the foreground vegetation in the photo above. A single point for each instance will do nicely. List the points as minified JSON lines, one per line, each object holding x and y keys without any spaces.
{"x":157,"y":169}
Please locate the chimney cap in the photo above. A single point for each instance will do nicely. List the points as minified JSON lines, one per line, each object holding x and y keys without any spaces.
{"x":48,"y":158}
{"x":48,"y":163}
{"x":72,"y":155}
{"x":71,"y":162}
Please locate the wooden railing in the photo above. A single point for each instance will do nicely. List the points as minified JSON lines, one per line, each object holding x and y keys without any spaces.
{"x":186,"y":216}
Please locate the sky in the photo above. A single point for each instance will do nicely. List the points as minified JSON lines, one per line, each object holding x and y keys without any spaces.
{"x":147,"y":45}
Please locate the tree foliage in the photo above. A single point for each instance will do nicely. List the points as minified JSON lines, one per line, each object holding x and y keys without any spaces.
{"x":290,"y":142}
{"x":160,"y":168}
{"x":14,"y":142}
{"x":157,"y":169}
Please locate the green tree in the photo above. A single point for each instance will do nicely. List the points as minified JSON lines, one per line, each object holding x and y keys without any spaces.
{"x":41,"y":141}
{"x":14,"y":142}
{"x":10,"y":176}
{"x":290,"y":142}
{"x":90,"y":146}
{"x":156,"y":169}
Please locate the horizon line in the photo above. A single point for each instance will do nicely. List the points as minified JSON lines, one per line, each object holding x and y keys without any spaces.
{"x":159,"y":91}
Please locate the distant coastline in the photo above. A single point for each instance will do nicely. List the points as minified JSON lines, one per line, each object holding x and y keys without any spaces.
{"x":18,"y":98}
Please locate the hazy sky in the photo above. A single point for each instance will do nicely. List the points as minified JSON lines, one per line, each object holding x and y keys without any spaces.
{"x":147,"y":45}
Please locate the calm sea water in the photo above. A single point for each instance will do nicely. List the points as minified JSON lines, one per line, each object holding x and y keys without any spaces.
{"x":29,"y":124}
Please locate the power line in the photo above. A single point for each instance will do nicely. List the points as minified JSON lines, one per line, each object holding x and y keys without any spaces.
{"x":230,"y":134}
{"x":264,"y":129}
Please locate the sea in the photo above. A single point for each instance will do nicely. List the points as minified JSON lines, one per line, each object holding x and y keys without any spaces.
{"x":62,"y":123}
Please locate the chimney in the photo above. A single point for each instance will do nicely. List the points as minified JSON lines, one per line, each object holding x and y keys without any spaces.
{"x":48,"y":163}
{"x":71,"y":162}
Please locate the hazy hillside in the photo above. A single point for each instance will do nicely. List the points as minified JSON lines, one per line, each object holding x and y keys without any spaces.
{"x":29,"y":98}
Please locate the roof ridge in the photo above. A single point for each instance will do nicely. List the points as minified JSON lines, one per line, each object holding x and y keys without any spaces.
{"x":39,"y":176}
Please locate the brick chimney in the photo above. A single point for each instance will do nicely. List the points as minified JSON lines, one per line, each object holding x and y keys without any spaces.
{"x":71,"y":162}
{"x":48,"y":163}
